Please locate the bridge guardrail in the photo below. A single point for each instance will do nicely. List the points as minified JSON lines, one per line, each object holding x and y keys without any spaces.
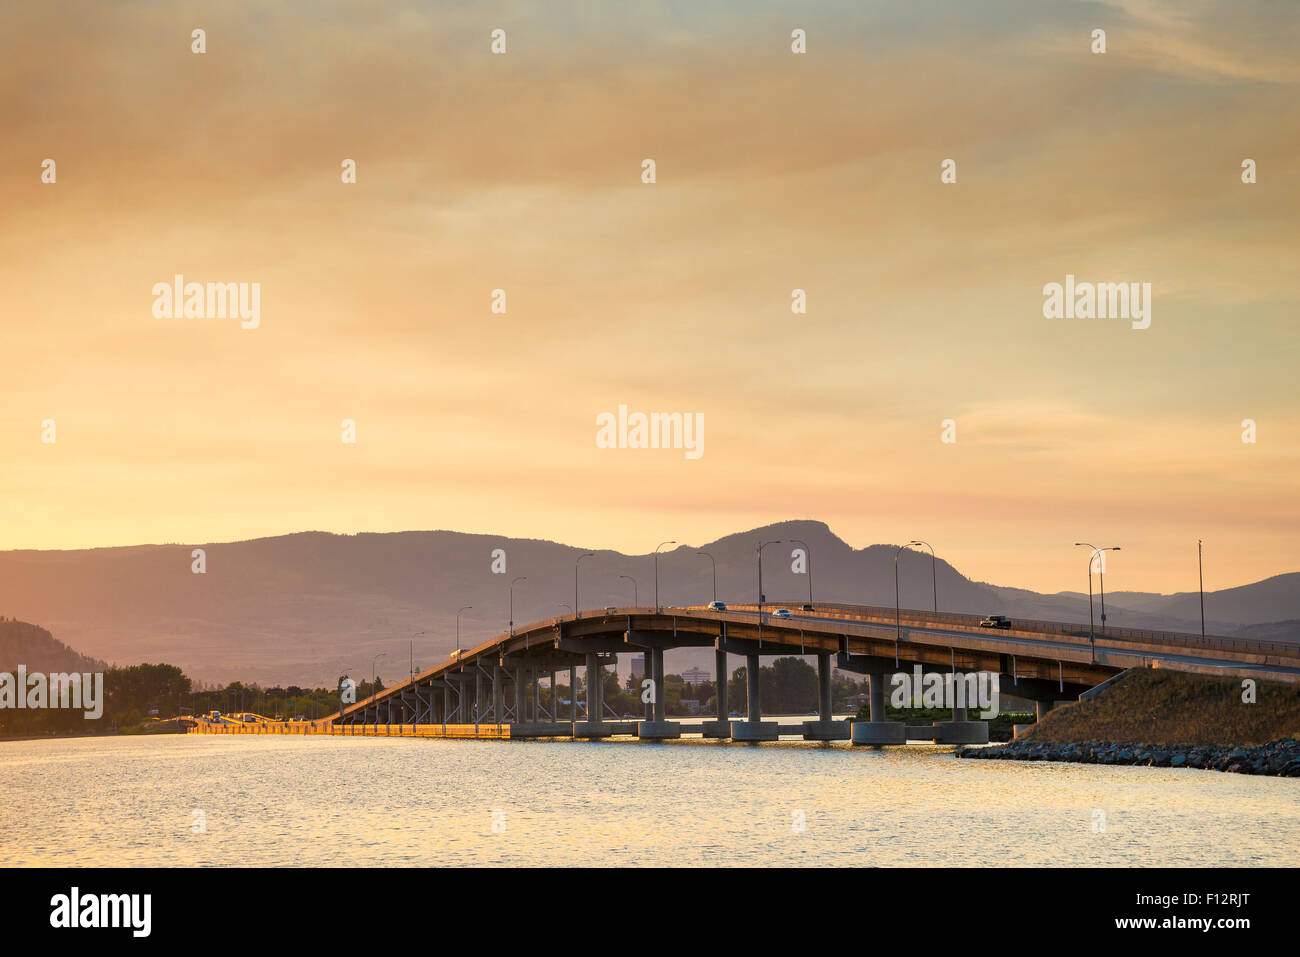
{"x":1215,"y":642}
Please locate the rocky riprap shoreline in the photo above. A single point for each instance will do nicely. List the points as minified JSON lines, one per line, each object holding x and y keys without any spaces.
{"x":1277,"y":758}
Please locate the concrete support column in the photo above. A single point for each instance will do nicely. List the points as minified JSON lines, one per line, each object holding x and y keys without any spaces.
{"x":1041,"y":707}
{"x":876,"y":695}
{"x":754,"y":729}
{"x":478,"y":696}
{"x":593,"y":690}
{"x":446,"y":704}
{"x":879,"y":730}
{"x":660,"y":702}
{"x":519,"y":694}
{"x":720,"y":668}
{"x":573,"y":692}
{"x":496,"y":694}
{"x":751,"y":688}
{"x":824,"y":685}
{"x":537,"y":695}
{"x":825,"y":729}
{"x":555,"y":699}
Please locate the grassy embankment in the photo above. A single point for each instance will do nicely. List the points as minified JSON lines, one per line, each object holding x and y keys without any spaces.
{"x":1176,"y":708}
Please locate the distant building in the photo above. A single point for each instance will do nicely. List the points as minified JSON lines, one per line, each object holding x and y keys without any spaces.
{"x":638,"y":668}
{"x":696,"y":676}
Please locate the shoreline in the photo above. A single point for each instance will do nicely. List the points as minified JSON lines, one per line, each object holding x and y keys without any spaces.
{"x":1279,"y":758}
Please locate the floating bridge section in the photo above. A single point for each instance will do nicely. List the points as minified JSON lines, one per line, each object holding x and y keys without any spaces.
{"x":494,"y":689}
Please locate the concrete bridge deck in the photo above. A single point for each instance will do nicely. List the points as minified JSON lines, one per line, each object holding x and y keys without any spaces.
{"x":499,"y":682}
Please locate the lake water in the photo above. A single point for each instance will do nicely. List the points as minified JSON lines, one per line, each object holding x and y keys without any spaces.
{"x":377,"y":801}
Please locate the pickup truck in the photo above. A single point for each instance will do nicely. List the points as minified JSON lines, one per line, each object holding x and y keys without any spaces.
{"x":996,"y":621}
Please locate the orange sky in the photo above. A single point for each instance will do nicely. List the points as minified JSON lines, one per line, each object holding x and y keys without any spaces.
{"x":775,"y":171}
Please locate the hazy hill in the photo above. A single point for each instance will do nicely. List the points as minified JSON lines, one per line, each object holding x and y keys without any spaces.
{"x":301,"y":608}
{"x":25,"y":644}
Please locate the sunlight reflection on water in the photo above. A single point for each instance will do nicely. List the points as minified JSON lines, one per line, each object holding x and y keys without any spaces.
{"x":377,"y":801}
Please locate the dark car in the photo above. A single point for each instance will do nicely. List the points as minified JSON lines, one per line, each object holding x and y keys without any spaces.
{"x":996,"y":621}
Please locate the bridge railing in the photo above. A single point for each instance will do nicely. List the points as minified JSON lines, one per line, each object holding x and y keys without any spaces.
{"x":913,"y":615}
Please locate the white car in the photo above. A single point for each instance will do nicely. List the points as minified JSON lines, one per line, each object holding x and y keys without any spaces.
{"x":717,"y":606}
{"x":781,"y":613}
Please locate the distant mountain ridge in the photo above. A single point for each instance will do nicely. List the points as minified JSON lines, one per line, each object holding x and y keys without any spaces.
{"x":302,"y":608}
{"x":22,"y":643}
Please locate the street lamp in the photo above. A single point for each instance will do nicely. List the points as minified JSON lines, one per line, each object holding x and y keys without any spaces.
{"x":1200,"y":576}
{"x":458,"y":611}
{"x":759,"y":556}
{"x":715,"y":573}
{"x":565,"y":604}
{"x":413,"y":637}
{"x":934,"y":581}
{"x":1101,"y":572}
{"x":636,"y":602}
{"x":372,"y":671}
{"x":658,"y":607}
{"x":512,"y":602}
{"x":576,"y":606}
{"x":898,"y":618}
{"x":808,"y":556}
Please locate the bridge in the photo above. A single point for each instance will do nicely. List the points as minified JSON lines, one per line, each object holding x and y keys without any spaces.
{"x":494,"y":689}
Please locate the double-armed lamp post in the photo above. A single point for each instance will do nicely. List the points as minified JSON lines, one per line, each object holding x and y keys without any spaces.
{"x":659,"y":607}
{"x":576,"y":606}
{"x":512,"y":602}
{"x":1101,"y":573}
{"x":761,"y":596}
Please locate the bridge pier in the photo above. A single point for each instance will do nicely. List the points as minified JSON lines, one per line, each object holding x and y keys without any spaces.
{"x":755,"y":728}
{"x":659,"y":728}
{"x":825,"y":729}
{"x":593,"y":727}
{"x":720,"y":728}
{"x":573,"y":694}
{"x":878,"y":730}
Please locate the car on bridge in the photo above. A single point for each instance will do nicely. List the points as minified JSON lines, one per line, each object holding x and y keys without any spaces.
{"x":781,"y":613}
{"x":806,"y":607}
{"x":717,"y":606}
{"x":995,"y":621}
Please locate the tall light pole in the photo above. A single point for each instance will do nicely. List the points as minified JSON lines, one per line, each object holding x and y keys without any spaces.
{"x":413,"y":637}
{"x":576,"y":606}
{"x":934,"y":579}
{"x":1101,"y":571}
{"x":808,"y":556}
{"x":512,"y":602}
{"x":565,"y":604}
{"x":1200,"y":574}
{"x":636,"y":601}
{"x":458,"y":611}
{"x":658,"y":607}
{"x":372,"y":671}
{"x":759,"y":555}
{"x":898,"y":616}
{"x":715,"y":573}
